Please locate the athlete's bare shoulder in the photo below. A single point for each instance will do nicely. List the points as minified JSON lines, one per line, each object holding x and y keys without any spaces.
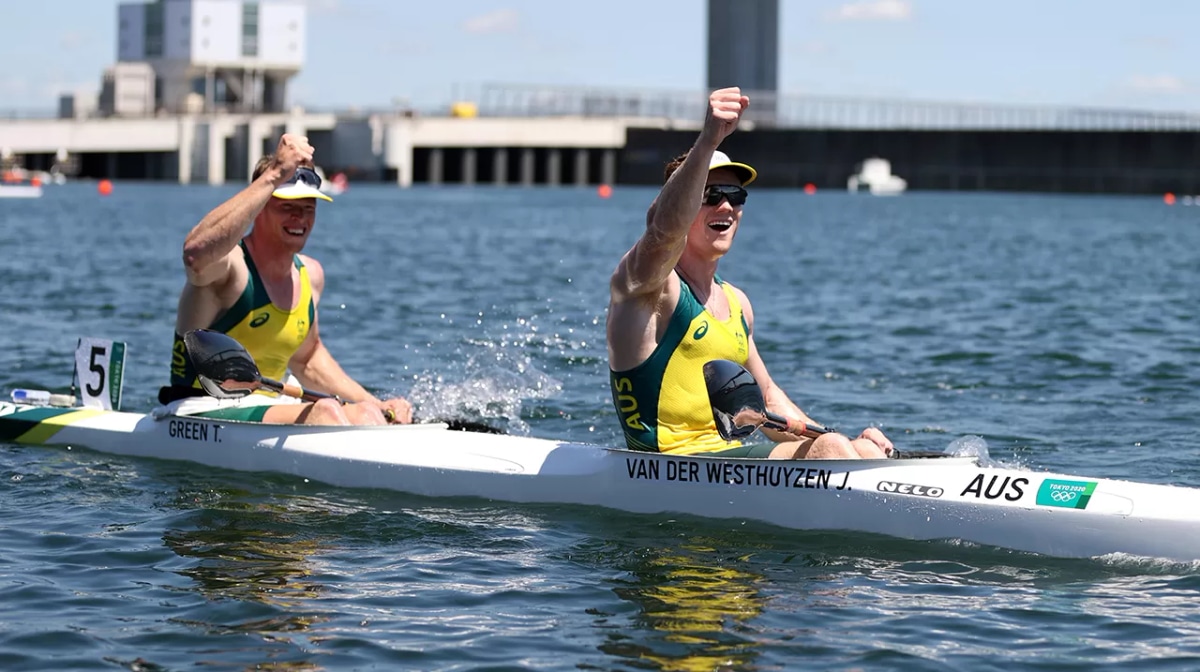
{"x":743,"y":299}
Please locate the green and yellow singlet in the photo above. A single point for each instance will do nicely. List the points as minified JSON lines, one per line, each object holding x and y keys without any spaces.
{"x":269,"y":333}
{"x":663,"y":402}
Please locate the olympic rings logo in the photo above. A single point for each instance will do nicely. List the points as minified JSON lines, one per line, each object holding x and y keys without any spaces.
{"x":1063,"y":496}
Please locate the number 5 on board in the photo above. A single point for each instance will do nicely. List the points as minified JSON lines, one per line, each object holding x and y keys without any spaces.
{"x":100,"y":370}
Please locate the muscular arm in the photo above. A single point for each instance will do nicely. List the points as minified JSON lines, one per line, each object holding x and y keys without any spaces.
{"x":316,"y":369}
{"x":208,"y":250}
{"x":643,"y":289}
{"x":644,"y":270}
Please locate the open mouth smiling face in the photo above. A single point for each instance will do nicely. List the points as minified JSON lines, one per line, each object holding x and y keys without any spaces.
{"x":297,"y":216}
{"x":725,"y":202}
{"x":721,"y":225}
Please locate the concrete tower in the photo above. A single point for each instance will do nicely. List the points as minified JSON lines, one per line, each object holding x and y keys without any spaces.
{"x":208,"y":55}
{"x":743,"y":49}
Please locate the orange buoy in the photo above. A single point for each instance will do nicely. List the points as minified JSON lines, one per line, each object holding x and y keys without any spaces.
{"x":104,"y":187}
{"x":604,"y":191}
{"x":35,"y":182}
{"x":810,"y":188}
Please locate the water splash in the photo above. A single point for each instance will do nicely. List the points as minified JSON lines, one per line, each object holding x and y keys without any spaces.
{"x":971,"y":446}
{"x":492,"y":390}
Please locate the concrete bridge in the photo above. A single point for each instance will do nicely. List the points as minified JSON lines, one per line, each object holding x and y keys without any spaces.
{"x":538,"y":135}
{"x":215,"y":148}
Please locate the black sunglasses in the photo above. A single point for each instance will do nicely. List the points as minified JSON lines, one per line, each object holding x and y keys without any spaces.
{"x":713,"y":194}
{"x":307,"y":176}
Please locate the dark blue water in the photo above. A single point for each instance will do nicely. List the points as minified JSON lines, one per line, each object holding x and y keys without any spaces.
{"x":1063,"y":331}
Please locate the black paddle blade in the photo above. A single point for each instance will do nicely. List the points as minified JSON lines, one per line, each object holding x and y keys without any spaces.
{"x":460,"y":425}
{"x":737,"y":402}
{"x":225,"y":369}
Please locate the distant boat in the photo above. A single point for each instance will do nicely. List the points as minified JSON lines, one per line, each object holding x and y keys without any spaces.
{"x":19,"y":183}
{"x":335,"y":185}
{"x":875,"y":177}
{"x":20,"y":191}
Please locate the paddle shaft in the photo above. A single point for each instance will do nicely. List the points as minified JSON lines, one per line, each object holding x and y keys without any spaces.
{"x":298,"y":392}
{"x":289,"y":390}
{"x":219,"y":357}
{"x":794,"y":426}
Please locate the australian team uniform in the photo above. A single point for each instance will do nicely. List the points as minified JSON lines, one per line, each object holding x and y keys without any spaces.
{"x":663,"y":402}
{"x":269,"y":333}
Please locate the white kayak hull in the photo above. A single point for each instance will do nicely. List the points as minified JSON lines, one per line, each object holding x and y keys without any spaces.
{"x":919,"y":499}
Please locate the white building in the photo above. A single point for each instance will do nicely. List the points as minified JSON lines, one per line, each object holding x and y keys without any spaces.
{"x":212,"y":55}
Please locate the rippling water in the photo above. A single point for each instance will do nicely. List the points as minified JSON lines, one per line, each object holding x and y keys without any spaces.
{"x":1064,"y":331}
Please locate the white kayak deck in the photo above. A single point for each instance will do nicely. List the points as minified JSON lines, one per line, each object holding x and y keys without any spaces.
{"x":920,"y":499}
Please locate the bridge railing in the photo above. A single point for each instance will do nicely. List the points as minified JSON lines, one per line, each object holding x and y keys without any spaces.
{"x":686,"y":108}
{"x":797,"y":111}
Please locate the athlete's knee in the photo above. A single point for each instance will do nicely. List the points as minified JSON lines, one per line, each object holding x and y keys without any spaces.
{"x":832,"y":447}
{"x":326,"y":412}
{"x":868,"y":450}
{"x":365,"y":414}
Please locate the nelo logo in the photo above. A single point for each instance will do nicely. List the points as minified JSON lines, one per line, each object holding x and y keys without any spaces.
{"x":909,"y":489}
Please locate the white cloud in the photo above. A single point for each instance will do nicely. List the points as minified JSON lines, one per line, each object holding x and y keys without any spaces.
{"x":873,"y":10}
{"x":499,"y":21}
{"x":1156,"y":84}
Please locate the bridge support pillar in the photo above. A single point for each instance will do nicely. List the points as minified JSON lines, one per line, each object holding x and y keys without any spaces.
{"x":470,"y":166}
{"x":216,"y":153}
{"x":437,"y":163}
{"x":581,"y":167}
{"x":183,"y":157}
{"x":527,"y":160}
{"x":398,"y":151}
{"x":257,"y":133}
{"x":295,"y":126}
{"x":500,"y":166}
{"x":608,"y":167}
{"x":554,"y":167}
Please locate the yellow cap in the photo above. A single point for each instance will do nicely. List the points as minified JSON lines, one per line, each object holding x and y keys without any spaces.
{"x":721,"y":160}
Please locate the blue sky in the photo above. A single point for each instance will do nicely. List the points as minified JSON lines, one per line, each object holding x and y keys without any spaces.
{"x":371,"y":52}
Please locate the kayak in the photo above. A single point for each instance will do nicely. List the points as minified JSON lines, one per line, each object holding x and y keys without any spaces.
{"x":20,"y":191}
{"x":920,"y":498}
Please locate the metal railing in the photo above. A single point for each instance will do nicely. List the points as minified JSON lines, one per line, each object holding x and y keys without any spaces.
{"x":796,"y":111}
{"x":767,"y":109}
